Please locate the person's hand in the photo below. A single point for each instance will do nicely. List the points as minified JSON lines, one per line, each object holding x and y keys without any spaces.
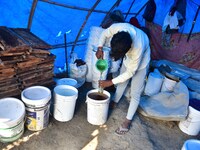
{"x":99,"y":53}
{"x":172,"y":11}
{"x":105,"y":83}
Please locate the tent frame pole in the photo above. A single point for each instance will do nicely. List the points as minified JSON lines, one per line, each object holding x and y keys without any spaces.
{"x":83,"y":25}
{"x":116,"y":4}
{"x":34,"y":4}
{"x":129,"y":9}
{"x":193,"y":23}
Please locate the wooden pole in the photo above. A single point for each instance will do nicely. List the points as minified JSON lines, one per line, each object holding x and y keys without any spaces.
{"x":111,"y":9}
{"x":129,"y":9}
{"x":77,"y":8}
{"x":193,"y":23}
{"x":66,"y":59}
{"x":141,"y":9}
{"x":71,"y":7}
{"x":83,"y":25}
{"x":34,"y":4}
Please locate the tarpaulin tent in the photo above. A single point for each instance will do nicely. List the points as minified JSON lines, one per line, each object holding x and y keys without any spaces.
{"x":52,"y":19}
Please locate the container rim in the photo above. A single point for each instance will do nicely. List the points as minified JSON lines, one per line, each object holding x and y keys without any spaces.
{"x":19,"y":118}
{"x":38,"y":102}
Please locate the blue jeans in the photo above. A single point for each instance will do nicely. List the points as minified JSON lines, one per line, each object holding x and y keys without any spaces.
{"x":137,"y":86}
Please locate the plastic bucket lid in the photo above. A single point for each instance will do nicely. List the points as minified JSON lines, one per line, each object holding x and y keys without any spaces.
{"x":191,"y":144}
{"x":36,"y":96}
{"x":12,"y":111}
{"x":67,"y":81}
{"x":66,"y":91}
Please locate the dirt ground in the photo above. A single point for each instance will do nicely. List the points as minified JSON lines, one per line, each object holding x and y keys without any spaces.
{"x":79,"y":134}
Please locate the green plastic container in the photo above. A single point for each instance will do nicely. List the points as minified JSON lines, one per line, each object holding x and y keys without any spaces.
{"x":101,"y":65}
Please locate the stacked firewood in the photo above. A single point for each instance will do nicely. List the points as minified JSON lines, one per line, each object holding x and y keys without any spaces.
{"x":24,"y":61}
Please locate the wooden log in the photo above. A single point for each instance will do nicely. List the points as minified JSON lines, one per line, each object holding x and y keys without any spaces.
{"x":36,"y":71}
{"x":4,"y":72}
{"x":12,"y":62}
{"x":40,"y":51}
{"x":10,"y":58}
{"x":8,"y":38}
{"x":3,"y":66}
{"x":9,"y":87}
{"x":37,"y":78}
{"x":30,"y":63}
{"x":45,"y":66}
{"x":14,"y":92}
{"x":6,"y":53}
{"x":2,"y":45}
{"x":3,"y":78}
{"x":35,"y":75}
{"x":36,"y":81}
{"x":8,"y":81}
{"x":31,"y":39}
{"x":23,"y":70}
{"x":21,"y":48}
{"x":48,"y":82}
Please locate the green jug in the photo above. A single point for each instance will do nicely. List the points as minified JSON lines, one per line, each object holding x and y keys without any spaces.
{"x":101,"y":65}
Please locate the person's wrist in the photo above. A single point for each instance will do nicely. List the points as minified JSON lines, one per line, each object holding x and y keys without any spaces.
{"x":100,"y":48}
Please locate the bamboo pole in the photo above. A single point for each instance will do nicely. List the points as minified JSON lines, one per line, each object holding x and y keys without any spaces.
{"x":141,"y":9}
{"x":71,"y":7}
{"x":129,"y":9}
{"x":77,"y":8}
{"x":63,"y":5}
{"x":69,"y":44}
{"x":83,"y":25}
{"x":111,"y":9}
{"x":34,"y":4}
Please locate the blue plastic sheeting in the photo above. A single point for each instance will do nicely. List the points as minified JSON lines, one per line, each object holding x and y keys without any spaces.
{"x":51,"y":22}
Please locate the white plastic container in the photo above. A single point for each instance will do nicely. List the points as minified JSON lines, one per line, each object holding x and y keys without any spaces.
{"x":168,"y":85}
{"x":154,"y":84}
{"x":97,"y":110}
{"x":67,"y":81}
{"x":191,"y":144}
{"x":12,"y":113}
{"x":191,"y":125}
{"x":37,"y":102}
{"x":65,"y":97}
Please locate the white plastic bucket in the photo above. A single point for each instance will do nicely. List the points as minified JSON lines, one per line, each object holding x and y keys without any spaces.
{"x":97,"y":110}
{"x":65,"y":97}
{"x":154,"y":84}
{"x":168,"y":85}
{"x":191,"y":144}
{"x":37,"y":102}
{"x":12,"y":113}
{"x":191,"y":125}
{"x":67,"y":81}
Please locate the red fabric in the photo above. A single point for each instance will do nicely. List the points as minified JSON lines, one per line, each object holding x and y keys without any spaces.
{"x":182,"y":52}
{"x":134,"y":22}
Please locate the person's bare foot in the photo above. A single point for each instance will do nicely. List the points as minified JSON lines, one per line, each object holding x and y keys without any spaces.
{"x":126,"y":123}
{"x":124,"y":128}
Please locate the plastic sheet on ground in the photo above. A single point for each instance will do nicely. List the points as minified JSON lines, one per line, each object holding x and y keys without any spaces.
{"x":169,"y":106}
